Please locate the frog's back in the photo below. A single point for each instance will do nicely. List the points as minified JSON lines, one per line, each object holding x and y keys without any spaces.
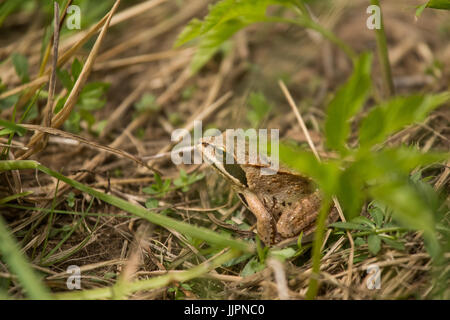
{"x":278,"y":191}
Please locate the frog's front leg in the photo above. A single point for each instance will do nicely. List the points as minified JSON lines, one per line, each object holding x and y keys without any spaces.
{"x":300,"y":216}
{"x":265,"y":223}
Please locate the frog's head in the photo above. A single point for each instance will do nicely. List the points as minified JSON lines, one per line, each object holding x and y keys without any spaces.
{"x":214,"y":152}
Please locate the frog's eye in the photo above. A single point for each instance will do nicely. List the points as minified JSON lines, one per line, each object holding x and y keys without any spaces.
{"x":218,"y":157}
{"x":220,"y":153}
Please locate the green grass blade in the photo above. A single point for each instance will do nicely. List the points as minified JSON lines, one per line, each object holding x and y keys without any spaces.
{"x":75,"y":213}
{"x":185,"y":228}
{"x":13,"y":127}
{"x":18,"y":264}
{"x":14,"y":197}
{"x":313,"y":286}
{"x":439,"y":4}
{"x":152,"y":283}
{"x":45,"y":261}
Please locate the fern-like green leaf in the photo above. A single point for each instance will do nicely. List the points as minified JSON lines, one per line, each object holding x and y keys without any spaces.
{"x":377,"y":169}
{"x":351,"y":191}
{"x":246,"y":10}
{"x":224,"y":19}
{"x":348,"y":100}
{"x":212,"y":41}
{"x":409,"y":209}
{"x":325,"y":174}
{"x":190,"y":32}
{"x":395,"y":114}
{"x":393,"y":162}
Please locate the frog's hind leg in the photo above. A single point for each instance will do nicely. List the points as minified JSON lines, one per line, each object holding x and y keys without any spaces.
{"x":265,"y":223}
{"x":291,"y":224}
{"x":301,"y":217}
{"x":308,"y":231}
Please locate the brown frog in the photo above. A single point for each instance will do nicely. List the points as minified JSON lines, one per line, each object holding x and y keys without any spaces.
{"x":285,"y":203}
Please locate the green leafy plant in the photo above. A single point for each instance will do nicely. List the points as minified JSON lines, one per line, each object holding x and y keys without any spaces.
{"x":160,"y":187}
{"x":365,"y":171}
{"x":147,"y":102}
{"x":179,"y":291}
{"x":369,"y":170}
{"x":375,"y":231}
{"x":21,"y":66}
{"x":252,"y":266}
{"x":260,"y":108}
{"x":70,"y":199}
{"x":227,"y":17}
{"x":92,"y":11}
{"x":258,"y":262}
{"x":284,"y":254}
{"x":185,"y":180}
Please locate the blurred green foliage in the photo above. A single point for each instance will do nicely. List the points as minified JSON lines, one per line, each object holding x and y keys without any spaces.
{"x":260,"y":108}
{"x":366,"y":171}
{"x":227,"y":17}
{"x":370,"y":170}
{"x":434,"y":4}
{"x":91,"y":11}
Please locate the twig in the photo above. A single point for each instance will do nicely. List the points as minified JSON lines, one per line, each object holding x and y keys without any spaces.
{"x":48,"y":111}
{"x":280,"y":278}
{"x":49,"y":45}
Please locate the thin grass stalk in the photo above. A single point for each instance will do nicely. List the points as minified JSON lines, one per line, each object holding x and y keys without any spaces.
{"x":66,"y":237}
{"x":383,"y":55}
{"x":313,"y":287}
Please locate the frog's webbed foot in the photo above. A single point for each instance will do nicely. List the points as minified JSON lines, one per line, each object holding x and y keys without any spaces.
{"x":265,"y":223}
